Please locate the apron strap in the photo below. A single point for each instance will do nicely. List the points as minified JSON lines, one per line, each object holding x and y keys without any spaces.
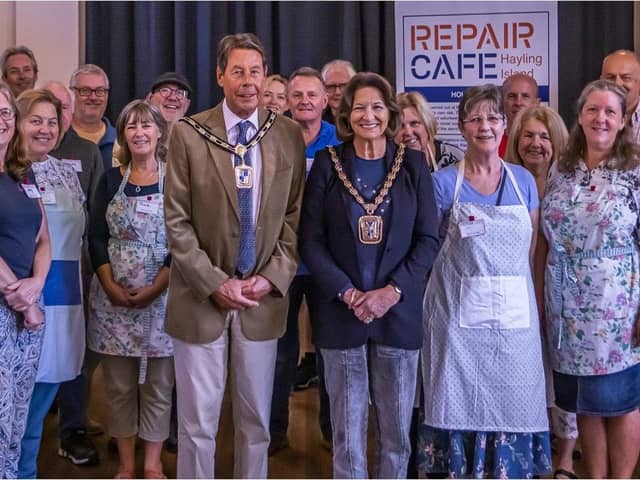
{"x":514,"y":183}
{"x":125,"y":179}
{"x":460,"y":178}
{"x":160,"y":177}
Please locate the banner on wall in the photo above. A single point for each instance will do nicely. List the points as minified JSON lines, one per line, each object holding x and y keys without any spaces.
{"x":445,"y":47}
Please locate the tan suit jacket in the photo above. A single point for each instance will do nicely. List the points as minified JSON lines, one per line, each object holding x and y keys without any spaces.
{"x":203,"y":227}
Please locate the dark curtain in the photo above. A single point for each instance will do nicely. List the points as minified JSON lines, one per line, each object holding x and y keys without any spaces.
{"x":587,"y":32}
{"x":136,"y":41}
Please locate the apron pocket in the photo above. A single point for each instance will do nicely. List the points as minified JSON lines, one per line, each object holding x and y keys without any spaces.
{"x":497,"y":302}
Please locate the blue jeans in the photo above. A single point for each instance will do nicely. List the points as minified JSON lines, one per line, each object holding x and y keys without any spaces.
{"x":43,"y":396}
{"x":393,"y":373}
{"x":286,"y":362}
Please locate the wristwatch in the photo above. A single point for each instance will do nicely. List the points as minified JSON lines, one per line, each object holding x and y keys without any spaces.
{"x":396,"y":289}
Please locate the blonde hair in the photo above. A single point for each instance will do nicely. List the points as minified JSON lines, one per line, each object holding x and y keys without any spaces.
{"x":551,"y":121}
{"x":277,"y":78}
{"x":417,"y":101}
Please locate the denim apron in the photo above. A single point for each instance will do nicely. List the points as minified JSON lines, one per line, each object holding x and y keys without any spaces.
{"x":137,"y":251}
{"x":482,"y":360}
{"x":64,"y":336}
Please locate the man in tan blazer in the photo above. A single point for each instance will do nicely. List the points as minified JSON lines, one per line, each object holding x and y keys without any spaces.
{"x":232,"y":221}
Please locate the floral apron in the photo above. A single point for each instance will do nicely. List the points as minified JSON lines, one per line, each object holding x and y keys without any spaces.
{"x":137,"y":250}
{"x":592,"y":282}
{"x":482,"y":359}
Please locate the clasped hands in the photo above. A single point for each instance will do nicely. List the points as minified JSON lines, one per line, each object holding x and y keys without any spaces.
{"x":21,"y":296}
{"x":373,"y":304}
{"x":122,"y":296}
{"x":237,"y":294}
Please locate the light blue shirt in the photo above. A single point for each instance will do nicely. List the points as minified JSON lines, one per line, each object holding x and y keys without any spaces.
{"x":231,"y":125}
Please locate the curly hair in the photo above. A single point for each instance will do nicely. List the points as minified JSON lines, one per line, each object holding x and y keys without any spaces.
{"x":624,"y":154}
{"x":140,"y":110}
{"x":551,"y":120}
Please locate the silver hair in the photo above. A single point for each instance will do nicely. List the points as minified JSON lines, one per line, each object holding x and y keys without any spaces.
{"x":346,"y":64}
{"x":88,"y":68}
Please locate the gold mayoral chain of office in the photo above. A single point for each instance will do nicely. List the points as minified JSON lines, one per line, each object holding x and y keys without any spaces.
{"x":369,"y":225}
{"x":243,"y":172}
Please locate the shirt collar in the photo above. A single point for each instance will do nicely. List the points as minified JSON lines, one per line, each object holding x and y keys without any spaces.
{"x":231,"y":120}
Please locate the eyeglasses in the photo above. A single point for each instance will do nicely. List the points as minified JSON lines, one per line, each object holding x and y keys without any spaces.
{"x":178,"y":92}
{"x":7,"y":114}
{"x":86,"y":91}
{"x":478,"y":119}
{"x":332,"y":87}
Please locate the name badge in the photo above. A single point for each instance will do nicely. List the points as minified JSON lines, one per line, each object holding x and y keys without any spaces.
{"x":48,"y":195}
{"x":588,"y":194}
{"x":30,"y":191}
{"x":145,"y":206}
{"x":471,"y":228}
{"x":75,"y":164}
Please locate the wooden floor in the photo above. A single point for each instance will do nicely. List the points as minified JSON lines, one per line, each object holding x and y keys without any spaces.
{"x":305,"y":457}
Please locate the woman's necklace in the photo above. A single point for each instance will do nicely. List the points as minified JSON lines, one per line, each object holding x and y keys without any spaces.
{"x":142,"y":178}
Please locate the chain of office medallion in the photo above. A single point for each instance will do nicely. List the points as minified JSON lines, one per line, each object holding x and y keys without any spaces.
{"x":370,"y":208}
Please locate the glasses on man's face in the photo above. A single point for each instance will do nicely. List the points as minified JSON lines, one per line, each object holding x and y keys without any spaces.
{"x":332,"y":87}
{"x":178,"y":92}
{"x":86,"y":91}
{"x":476,"y":120}
{"x":7,"y":114}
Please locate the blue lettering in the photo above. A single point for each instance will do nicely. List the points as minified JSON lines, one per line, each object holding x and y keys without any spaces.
{"x":443,"y":67}
{"x":483,"y":66}
{"x":414,"y":69}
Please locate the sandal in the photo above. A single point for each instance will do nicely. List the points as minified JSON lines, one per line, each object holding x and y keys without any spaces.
{"x":154,"y":474}
{"x":125,"y":474}
{"x":564,"y":473}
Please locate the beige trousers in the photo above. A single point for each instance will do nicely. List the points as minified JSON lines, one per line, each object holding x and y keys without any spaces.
{"x":201,"y":374}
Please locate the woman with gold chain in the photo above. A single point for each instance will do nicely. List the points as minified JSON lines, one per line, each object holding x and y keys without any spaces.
{"x":369,"y":237}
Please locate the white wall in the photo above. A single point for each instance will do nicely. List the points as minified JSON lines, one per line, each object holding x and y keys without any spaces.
{"x":50,"y":29}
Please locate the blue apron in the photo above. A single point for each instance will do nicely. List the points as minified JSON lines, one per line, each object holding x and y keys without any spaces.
{"x":64,"y":337}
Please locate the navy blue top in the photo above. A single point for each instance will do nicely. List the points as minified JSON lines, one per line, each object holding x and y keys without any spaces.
{"x":98,"y":227}
{"x":20,"y":220}
{"x":367,"y":176}
{"x":329,"y":245}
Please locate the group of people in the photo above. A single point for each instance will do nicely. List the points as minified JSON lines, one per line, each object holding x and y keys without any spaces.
{"x":478,"y":296}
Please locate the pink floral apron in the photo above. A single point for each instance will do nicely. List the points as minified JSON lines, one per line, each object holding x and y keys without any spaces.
{"x":137,"y":250}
